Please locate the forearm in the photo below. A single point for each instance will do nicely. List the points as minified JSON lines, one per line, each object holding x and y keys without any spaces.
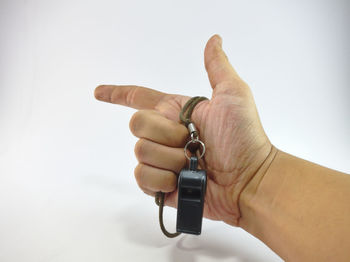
{"x":299,"y":209}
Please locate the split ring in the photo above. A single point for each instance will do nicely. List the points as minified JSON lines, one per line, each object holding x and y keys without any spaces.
{"x":194,"y":141}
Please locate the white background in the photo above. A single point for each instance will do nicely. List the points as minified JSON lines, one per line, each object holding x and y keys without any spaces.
{"x":67,"y":190}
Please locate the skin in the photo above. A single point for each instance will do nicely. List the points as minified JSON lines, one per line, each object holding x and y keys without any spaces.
{"x":249,"y":180}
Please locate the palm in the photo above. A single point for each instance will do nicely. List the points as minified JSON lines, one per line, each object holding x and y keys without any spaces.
{"x":226,"y":125}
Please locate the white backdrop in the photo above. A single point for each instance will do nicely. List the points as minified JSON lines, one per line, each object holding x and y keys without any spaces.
{"x":67,"y":190}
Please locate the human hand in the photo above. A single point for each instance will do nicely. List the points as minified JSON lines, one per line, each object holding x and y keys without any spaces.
{"x":228,"y":124}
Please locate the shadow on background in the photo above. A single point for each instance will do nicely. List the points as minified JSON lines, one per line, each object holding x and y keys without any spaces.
{"x":138,"y":217}
{"x":141,"y":227}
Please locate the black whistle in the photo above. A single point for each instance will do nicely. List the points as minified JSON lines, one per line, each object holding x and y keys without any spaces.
{"x":192,"y":185}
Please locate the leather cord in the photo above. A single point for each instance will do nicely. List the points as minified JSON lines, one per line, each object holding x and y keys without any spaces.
{"x":185,"y":118}
{"x":159,"y":198}
{"x":186,"y":111}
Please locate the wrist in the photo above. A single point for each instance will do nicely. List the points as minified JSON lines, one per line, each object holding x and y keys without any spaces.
{"x":259,"y":162}
{"x":246,"y":200}
{"x":290,"y":204}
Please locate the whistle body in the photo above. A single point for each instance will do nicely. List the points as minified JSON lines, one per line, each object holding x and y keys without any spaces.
{"x":192,"y":185}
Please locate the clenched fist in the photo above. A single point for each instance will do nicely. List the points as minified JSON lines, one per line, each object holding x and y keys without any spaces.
{"x":228,"y":123}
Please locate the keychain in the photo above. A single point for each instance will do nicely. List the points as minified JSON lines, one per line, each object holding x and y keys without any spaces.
{"x":192,"y":182}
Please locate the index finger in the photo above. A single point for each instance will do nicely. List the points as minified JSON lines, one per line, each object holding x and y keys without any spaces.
{"x":137,"y":97}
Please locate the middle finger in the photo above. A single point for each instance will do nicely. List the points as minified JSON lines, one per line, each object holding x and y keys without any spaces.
{"x":153,"y":126}
{"x":160,"y":156}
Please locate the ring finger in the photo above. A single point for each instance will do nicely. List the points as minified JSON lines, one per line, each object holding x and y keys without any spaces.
{"x":155,"y":179}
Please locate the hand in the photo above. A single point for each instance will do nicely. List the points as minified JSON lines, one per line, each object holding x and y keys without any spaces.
{"x":228,"y":124}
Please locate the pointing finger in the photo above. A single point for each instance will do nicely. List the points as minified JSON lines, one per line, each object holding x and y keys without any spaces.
{"x":131,"y":96}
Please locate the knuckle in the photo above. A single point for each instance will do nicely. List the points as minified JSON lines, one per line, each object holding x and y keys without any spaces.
{"x":116,"y":97}
{"x":136,"y":122}
{"x":140,"y":149}
{"x":139,"y":173}
{"x":130,"y":96}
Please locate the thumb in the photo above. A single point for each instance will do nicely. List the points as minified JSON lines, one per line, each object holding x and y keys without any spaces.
{"x":217,"y":65}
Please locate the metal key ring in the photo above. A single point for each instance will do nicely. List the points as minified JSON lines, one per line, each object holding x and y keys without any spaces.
{"x":194,"y":141}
